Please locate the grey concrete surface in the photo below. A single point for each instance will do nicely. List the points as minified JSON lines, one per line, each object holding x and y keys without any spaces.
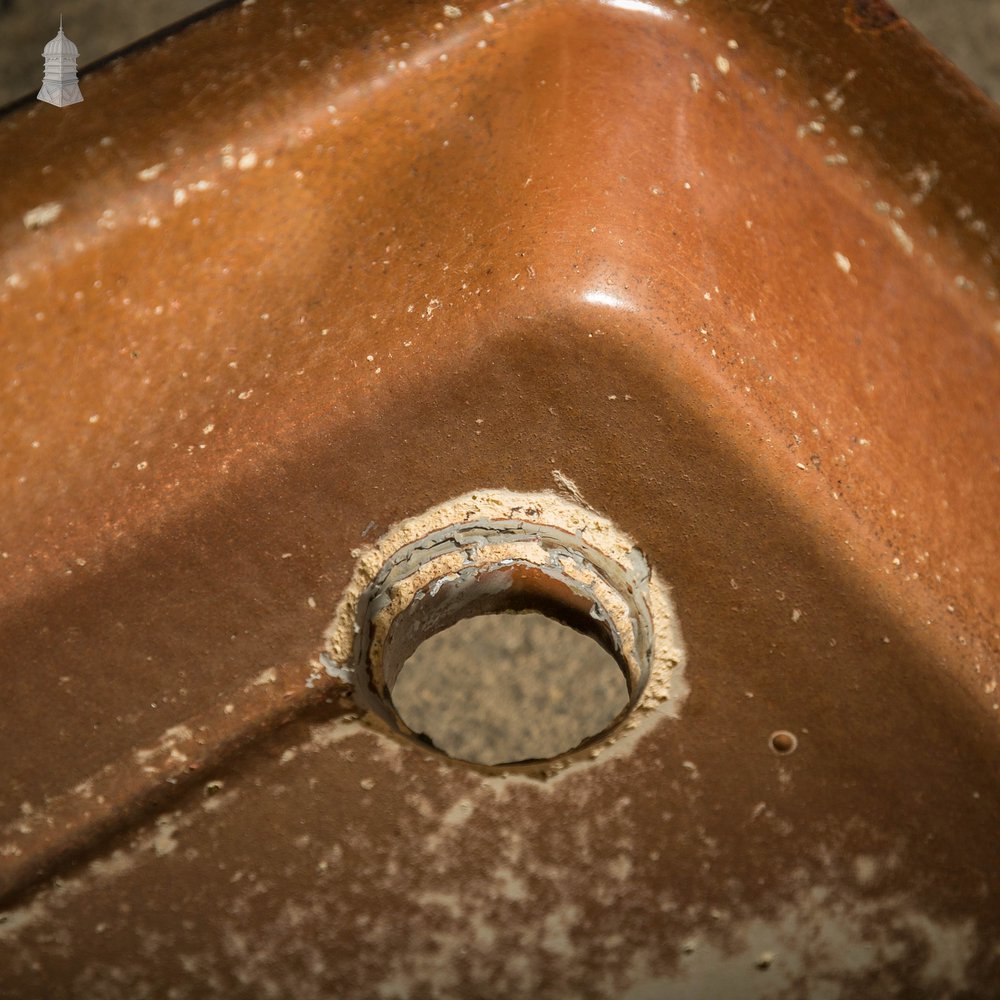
{"x":501,"y":688}
{"x":966,"y":31}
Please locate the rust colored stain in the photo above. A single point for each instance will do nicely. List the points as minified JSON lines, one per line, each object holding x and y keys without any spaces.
{"x":871,"y":15}
{"x":730,"y":269}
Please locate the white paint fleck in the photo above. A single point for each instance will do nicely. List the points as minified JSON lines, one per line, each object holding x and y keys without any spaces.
{"x":163,"y":842}
{"x":842,"y":262}
{"x":722,"y":64}
{"x":865,"y":869}
{"x":814,"y":127}
{"x":925,"y":176}
{"x":901,"y":235}
{"x":451,"y":11}
{"x":695,"y":82}
{"x":620,"y":867}
{"x":567,"y":485}
{"x":42,"y":215}
{"x":151,"y":173}
{"x":248,"y":160}
{"x":557,"y":929}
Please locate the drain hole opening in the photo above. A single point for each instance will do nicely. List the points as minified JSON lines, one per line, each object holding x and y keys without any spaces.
{"x":505,"y":642}
{"x":503,"y":688}
{"x":783,"y":742}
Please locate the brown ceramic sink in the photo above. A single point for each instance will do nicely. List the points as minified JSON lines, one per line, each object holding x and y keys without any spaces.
{"x":726,"y":273}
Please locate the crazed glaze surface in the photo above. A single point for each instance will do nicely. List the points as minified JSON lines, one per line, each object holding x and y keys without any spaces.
{"x":729,"y":269}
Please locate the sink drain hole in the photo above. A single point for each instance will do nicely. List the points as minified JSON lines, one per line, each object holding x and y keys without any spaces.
{"x":500,"y":688}
{"x":506,"y":629}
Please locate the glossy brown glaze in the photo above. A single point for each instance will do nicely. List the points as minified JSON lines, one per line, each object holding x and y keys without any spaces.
{"x":730,"y":268}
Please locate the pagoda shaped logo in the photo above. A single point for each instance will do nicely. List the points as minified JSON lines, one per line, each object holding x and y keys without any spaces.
{"x":59,"y":86}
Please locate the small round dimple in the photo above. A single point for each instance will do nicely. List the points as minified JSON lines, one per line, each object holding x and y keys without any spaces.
{"x":783,"y":742}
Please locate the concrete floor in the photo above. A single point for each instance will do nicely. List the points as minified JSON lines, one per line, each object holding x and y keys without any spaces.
{"x":966,"y":31}
{"x":501,"y":688}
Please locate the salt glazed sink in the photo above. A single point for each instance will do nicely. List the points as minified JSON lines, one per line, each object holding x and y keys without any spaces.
{"x":300,"y":286}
